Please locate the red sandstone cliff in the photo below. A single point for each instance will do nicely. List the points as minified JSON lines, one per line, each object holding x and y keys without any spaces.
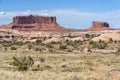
{"x":97,"y":25}
{"x":45,"y":23}
{"x":33,"y":19}
{"x":34,"y":23}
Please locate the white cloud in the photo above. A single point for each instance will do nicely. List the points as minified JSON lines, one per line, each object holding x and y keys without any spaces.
{"x":44,"y":14}
{"x":27,"y":12}
{"x":2,"y":13}
{"x":70,"y":17}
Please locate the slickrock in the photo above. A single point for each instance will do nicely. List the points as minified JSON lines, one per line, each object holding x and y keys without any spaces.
{"x":107,"y":36}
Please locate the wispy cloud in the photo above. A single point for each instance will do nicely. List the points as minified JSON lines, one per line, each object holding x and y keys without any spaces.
{"x":2,"y":13}
{"x":72,"y":18}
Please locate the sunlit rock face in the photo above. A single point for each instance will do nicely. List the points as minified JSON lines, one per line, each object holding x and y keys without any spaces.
{"x":98,"y":25}
{"x":34,"y":23}
{"x":32,"y":19}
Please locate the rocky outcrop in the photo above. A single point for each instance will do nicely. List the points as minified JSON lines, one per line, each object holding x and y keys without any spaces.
{"x":32,"y":19}
{"x":34,"y":23}
{"x":107,"y":36}
{"x":10,"y":35}
{"x":97,"y":25}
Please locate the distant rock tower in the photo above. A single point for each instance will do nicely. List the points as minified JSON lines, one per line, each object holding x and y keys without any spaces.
{"x":98,"y":25}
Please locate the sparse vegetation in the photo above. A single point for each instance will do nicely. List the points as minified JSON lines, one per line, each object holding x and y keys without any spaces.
{"x":90,"y":36}
{"x":23,"y":63}
{"x":66,"y":57}
{"x":73,"y":65}
{"x":99,"y":45}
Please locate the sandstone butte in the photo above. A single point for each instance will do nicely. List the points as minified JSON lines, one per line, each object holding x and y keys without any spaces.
{"x":34,"y":23}
{"x":46,"y":23}
{"x":98,"y":25}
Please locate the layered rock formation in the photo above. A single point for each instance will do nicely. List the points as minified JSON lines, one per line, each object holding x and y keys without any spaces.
{"x":32,"y":19}
{"x":97,"y":25}
{"x":35,"y":23}
{"x":10,"y":35}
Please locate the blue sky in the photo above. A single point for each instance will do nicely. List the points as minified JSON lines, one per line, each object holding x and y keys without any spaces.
{"x":69,"y":13}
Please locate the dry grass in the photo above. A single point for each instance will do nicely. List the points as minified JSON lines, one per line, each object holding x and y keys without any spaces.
{"x":64,"y":67}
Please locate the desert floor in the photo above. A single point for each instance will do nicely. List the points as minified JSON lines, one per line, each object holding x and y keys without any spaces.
{"x":64,"y":66}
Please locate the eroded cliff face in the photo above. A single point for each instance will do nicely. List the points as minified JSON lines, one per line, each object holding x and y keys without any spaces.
{"x":98,"y":25}
{"x":46,"y":23}
{"x":32,"y":19}
{"x":34,"y":23}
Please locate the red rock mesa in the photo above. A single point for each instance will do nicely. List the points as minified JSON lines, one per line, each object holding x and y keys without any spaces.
{"x":34,"y":23}
{"x":97,"y":25}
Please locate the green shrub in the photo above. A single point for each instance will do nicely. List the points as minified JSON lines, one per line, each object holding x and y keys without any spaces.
{"x":110,"y":40}
{"x":34,"y":37}
{"x":102,"y":45}
{"x":77,"y":42}
{"x":6,"y":43}
{"x":16,"y":62}
{"x":100,"y":40}
{"x":91,"y":35}
{"x":29,"y":45}
{"x":69,"y":42}
{"x":91,"y":42}
{"x":87,"y":35}
{"x":38,"y":42}
{"x":30,"y":61}
{"x":18,"y":43}
{"x":115,"y":41}
{"x":53,"y":42}
{"x":49,"y":45}
{"x":62,"y":47}
{"x":22,"y":64}
{"x":13,"y":48}
{"x":99,"y":45}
